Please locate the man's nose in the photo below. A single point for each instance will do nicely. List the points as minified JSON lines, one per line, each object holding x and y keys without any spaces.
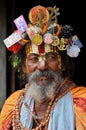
{"x":42,"y":64}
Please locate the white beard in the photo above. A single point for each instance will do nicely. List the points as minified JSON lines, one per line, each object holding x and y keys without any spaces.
{"x":40,"y":93}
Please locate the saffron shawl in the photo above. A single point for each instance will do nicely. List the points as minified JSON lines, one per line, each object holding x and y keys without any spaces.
{"x":79,"y":101}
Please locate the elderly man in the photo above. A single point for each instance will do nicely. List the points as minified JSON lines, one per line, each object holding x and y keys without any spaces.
{"x":50,"y":99}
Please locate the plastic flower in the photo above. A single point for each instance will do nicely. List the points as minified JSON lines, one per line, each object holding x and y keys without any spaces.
{"x":73,"y":51}
{"x":66,"y":31}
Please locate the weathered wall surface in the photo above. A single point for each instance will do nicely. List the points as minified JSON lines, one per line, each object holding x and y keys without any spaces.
{"x":2,"y":52}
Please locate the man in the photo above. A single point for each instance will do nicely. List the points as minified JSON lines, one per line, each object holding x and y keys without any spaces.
{"x":50,"y":99}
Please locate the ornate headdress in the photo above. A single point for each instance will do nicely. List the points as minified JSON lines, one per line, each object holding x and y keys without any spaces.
{"x":43,"y":34}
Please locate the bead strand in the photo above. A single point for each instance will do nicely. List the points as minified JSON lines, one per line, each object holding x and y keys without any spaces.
{"x":17,"y":125}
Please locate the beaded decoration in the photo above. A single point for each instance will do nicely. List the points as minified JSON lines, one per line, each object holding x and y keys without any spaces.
{"x":17,"y":125}
{"x":43,"y":34}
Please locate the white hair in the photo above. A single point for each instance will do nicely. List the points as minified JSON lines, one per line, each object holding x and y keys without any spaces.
{"x":38,"y":92}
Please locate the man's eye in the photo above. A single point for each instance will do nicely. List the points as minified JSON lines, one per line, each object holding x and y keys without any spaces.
{"x":51,"y":58}
{"x":33,"y":59}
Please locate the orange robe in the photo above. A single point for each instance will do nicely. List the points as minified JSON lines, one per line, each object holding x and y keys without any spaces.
{"x":79,"y":98}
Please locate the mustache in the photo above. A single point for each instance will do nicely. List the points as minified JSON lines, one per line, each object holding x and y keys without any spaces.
{"x":38,"y":73}
{"x":46,"y":73}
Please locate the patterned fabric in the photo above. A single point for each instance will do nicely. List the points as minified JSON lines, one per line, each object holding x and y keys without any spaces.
{"x":7,"y":110}
{"x":79,"y":98}
{"x":81,"y":102}
{"x":59,"y":120}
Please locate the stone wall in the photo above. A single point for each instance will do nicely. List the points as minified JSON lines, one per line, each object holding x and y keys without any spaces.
{"x":2,"y":52}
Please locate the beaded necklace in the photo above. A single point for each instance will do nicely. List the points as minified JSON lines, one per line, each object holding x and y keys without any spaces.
{"x":33,"y":113}
{"x":17,"y":125}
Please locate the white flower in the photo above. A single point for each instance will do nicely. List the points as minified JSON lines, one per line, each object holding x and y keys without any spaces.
{"x":31,"y":31}
{"x":73,"y":51}
{"x":36,"y":29}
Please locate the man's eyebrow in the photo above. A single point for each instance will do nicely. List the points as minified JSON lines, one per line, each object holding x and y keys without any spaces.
{"x":51,"y":53}
{"x":33,"y":54}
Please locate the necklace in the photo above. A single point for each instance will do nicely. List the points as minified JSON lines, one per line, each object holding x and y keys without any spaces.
{"x":33,"y":113}
{"x":17,"y":125}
